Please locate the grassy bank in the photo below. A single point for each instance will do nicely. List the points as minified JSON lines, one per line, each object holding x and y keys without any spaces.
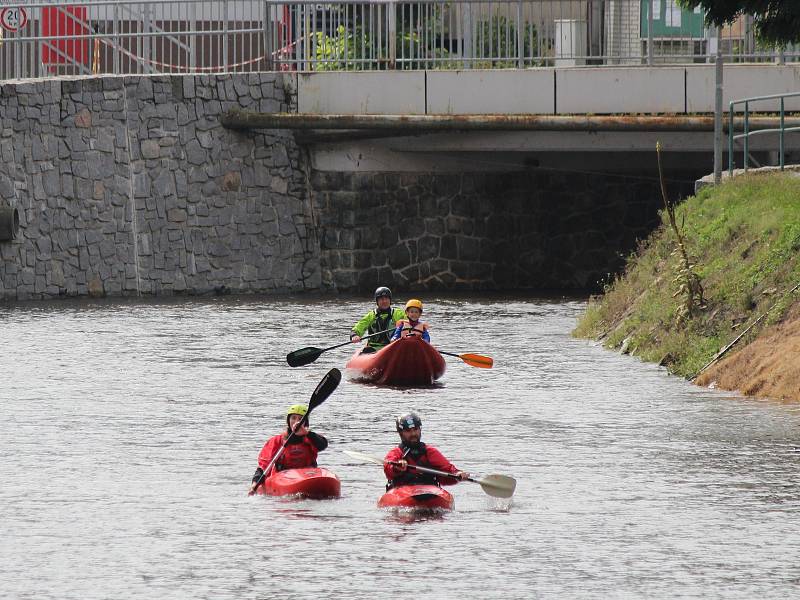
{"x":744,"y":240}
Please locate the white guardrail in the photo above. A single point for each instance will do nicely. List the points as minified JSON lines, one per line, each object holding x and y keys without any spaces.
{"x":41,"y":39}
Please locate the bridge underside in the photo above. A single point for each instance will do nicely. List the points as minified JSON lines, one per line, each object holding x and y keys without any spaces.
{"x":441,"y":143}
{"x":612,"y":152}
{"x":601,"y":152}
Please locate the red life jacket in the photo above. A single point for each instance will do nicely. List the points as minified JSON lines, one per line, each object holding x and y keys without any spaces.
{"x":297,"y":456}
{"x":410,"y":476}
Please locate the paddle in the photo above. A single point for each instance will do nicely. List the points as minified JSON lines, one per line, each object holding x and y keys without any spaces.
{"x":498,"y":486}
{"x":307,"y":355}
{"x":324,"y":389}
{"x":473,"y":360}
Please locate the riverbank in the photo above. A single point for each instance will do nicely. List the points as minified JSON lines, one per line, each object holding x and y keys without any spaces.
{"x":743,"y":241}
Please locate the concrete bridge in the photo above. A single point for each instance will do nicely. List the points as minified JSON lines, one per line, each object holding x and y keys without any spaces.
{"x":456,"y":120}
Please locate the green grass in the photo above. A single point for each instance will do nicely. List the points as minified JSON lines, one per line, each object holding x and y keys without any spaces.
{"x":744,"y":240}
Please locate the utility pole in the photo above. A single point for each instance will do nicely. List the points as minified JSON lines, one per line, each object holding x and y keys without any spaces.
{"x":718,"y":111}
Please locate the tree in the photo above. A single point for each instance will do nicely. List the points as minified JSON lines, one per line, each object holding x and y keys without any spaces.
{"x":777,"y":22}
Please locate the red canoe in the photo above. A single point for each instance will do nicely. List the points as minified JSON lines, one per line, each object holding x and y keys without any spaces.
{"x":311,"y":482}
{"x":420,"y":497}
{"x":407,"y":361}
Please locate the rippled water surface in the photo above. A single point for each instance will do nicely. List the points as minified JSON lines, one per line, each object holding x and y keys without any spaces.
{"x":130,"y":430}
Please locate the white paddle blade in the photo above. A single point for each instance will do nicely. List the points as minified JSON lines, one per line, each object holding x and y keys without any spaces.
{"x":499,"y":486}
{"x":362,"y":456}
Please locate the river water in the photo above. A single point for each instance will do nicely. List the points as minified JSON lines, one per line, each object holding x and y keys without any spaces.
{"x":130,"y":430}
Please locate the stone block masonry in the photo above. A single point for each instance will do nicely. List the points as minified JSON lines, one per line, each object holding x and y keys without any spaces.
{"x":481,"y":231}
{"x":130,"y":186}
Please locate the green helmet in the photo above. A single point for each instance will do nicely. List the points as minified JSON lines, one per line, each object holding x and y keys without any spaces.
{"x":296,"y":409}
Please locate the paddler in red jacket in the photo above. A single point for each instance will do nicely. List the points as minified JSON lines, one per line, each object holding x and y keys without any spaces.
{"x":399,"y":462}
{"x":301,"y":448}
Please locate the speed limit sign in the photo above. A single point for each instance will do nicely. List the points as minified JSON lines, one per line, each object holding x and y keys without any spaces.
{"x":13,"y":18}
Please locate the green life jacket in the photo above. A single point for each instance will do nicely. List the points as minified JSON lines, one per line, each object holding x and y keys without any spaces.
{"x":381,"y":322}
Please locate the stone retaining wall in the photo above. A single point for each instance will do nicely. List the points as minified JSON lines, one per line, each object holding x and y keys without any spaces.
{"x":534,"y":230}
{"x":130,"y":185}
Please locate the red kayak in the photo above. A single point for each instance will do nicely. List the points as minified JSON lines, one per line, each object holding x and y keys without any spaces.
{"x":407,"y":361}
{"x":420,"y":497}
{"x":311,"y":482}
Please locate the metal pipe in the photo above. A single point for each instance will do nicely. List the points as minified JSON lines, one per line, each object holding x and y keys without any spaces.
{"x":783,"y":123}
{"x":240,"y":119}
{"x":718,"y":112}
{"x":650,"y":32}
{"x":746,"y":133}
{"x":730,"y":137}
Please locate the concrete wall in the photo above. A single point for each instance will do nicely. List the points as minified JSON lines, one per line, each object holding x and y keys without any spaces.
{"x":575,"y":90}
{"x":130,"y":185}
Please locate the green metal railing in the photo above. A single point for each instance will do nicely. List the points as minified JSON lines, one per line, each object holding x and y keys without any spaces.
{"x":745,"y":135}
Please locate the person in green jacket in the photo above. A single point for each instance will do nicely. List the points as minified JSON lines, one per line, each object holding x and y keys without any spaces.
{"x":383,"y":318}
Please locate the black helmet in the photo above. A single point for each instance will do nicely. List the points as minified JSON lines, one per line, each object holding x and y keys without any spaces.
{"x":383,"y":291}
{"x":408,"y":421}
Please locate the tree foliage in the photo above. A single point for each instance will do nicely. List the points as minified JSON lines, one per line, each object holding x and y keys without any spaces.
{"x":776,"y":21}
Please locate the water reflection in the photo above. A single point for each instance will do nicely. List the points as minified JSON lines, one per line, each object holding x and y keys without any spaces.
{"x":408,"y":516}
{"x":305,"y":513}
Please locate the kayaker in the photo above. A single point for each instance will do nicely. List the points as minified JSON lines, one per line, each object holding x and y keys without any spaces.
{"x":379,"y":319}
{"x":412,"y":451}
{"x":301,"y":448}
{"x":411,"y":325}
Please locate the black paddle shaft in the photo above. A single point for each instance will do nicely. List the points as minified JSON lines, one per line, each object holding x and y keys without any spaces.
{"x":309,"y":354}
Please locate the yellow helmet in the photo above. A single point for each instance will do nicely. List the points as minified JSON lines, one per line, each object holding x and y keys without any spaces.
{"x":414,"y":303}
{"x":297,"y":409}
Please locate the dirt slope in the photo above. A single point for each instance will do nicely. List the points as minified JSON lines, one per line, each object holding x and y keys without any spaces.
{"x":767,"y":367}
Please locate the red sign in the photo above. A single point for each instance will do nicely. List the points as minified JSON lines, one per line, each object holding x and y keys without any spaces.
{"x":60,"y":22}
{"x":13,"y":18}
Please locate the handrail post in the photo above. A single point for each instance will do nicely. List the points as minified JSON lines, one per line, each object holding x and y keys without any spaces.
{"x":746,"y":132}
{"x":649,"y":33}
{"x":225,"y":18}
{"x":781,"y":133}
{"x":520,"y":37}
{"x":730,"y":138}
{"x":269,"y":40}
{"x":391,"y":34}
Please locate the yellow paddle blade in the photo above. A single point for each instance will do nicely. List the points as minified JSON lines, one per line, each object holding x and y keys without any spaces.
{"x":476,"y":360}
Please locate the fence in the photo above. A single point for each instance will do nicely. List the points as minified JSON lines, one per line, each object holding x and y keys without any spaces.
{"x":781,"y":130}
{"x":41,"y":39}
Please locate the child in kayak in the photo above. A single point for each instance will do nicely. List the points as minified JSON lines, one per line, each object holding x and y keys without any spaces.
{"x":301,"y":448}
{"x":398,"y":465}
{"x":411,"y":325}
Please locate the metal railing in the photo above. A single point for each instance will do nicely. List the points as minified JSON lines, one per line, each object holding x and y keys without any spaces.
{"x":467,"y":34}
{"x":124,"y":37}
{"x":41,"y":39}
{"x":781,"y":130}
